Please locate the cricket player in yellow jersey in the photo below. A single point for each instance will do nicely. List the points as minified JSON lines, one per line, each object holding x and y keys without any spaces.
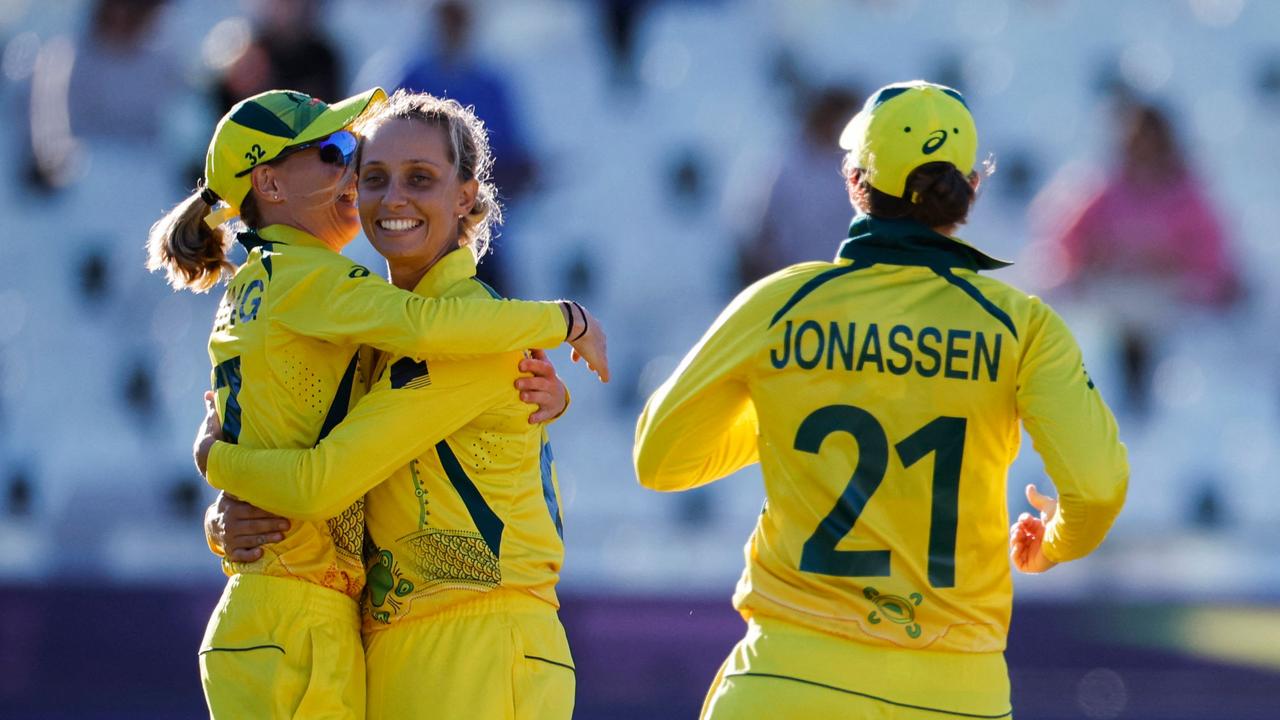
{"x":462,"y":506}
{"x":882,"y":394}
{"x":284,"y":640}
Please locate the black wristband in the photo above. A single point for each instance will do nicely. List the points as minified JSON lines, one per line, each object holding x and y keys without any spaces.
{"x":568,"y":311}
{"x":586,"y":325}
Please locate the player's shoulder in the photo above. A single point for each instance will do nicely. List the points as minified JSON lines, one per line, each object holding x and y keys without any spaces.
{"x":1026,"y":309}
{"x":777,"y":287}
{"x":298,"y":260}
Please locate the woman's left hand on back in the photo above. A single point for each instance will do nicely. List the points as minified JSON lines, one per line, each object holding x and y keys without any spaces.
{"x":209,"y":432}
{"x":544,"y":388}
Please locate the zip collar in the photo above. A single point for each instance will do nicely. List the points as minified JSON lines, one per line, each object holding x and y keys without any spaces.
{"x":875,"y":240}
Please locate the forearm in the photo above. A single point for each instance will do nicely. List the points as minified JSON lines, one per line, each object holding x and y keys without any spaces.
{"x":1081,"y":523}
{"x":479,"y":327}
{"x":383,"y":432}
{"x":304,"y":484}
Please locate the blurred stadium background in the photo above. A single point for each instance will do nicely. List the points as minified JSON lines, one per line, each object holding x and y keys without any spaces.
{"x":640,"y":144}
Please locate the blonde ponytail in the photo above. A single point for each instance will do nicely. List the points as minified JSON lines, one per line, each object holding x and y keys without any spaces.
{"x":192,"y":254}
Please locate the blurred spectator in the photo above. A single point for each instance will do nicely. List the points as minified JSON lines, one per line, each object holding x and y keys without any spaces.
{"x":452,"y":70}
{"x":807,"y":213}
{"x":1142,"y":238}
{"x":619,"y":20}
{"x":288,"y":49}
{"x":104,"y":86}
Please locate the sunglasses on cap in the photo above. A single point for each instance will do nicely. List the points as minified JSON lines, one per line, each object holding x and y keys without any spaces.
{"x":337,"y":149}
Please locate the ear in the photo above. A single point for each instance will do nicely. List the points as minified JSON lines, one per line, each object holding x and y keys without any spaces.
{"x":975,"y":179}
{"x":266,"y":184}
{"x":467,"y":192}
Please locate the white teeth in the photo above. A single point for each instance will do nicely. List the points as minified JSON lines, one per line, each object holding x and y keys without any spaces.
{"x":399,"y":224}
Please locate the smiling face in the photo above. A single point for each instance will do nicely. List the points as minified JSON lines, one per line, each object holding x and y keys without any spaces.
{"x":411,"y":199}
{"x":308,"y":193}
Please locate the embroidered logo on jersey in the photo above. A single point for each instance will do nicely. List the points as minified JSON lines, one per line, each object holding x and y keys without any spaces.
{"x":409,"y":373}
{"x":897,"y":610}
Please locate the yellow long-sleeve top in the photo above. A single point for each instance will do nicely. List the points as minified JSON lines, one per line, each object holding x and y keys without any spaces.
{"x":881,"y":394}
{"x":286,"y":369}
{"x":462,"y":490}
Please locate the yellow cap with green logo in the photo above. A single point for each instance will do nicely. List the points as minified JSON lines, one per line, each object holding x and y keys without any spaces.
{"x":258,"y":129}
{"x":905,"y":125}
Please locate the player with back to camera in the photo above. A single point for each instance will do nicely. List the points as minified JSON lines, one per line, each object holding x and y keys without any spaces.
{"x":881,"y":394}
{"x":284,"y":639}
{"x":462,"y":507}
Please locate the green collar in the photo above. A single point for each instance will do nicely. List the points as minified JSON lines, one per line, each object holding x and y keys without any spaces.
{"x":282,"y":234}
{"x":907,"y":242}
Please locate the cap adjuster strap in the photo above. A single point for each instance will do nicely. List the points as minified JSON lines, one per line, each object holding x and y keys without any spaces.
{"x":219,"y":216}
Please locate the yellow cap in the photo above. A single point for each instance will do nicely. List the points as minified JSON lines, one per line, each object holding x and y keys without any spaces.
{"x":905,"y":125}
{"x":259,"y":128}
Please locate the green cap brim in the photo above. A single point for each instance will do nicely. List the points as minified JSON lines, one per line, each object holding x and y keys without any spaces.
{"x":340,"y":115}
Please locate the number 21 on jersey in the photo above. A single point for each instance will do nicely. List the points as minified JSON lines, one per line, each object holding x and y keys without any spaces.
{"x":942,"y":437}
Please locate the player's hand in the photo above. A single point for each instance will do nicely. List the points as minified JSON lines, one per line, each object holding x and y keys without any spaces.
{"x":1047,"y":506}
{"x":209,"y":432}
{"x":586,"y":335}
{"x":241,"y":529}
{"x":1026,"y":537}
{"x":544,"y":389}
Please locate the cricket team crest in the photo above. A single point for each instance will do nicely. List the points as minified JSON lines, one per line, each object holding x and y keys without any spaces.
{"x":386,"y":586}
{"x":896,"y":609}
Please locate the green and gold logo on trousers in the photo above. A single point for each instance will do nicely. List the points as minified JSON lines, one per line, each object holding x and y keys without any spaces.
{"x":896,"y":609}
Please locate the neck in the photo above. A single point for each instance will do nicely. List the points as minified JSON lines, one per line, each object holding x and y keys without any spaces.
{"x":280,"y":216}
{"x":406,"y":273}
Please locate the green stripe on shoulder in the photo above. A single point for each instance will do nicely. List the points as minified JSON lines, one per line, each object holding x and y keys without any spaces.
{"x":816,"y":282}
{"x":972,"y":291}
{"x":489,"y":289}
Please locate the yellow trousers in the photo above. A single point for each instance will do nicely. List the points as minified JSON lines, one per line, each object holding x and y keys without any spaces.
{"x":781,"y":671}
{"x":503,"y":656}
{"x":281,"y":648}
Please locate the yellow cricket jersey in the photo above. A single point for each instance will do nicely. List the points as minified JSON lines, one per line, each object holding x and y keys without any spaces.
{"x":470,"y":500}
{"x":881,"y":394}
{"x":287,"y":369}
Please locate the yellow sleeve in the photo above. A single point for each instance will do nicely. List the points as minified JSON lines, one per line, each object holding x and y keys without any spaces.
{"x":350,"y":305}
{"x":386,"y":429}
{"x":700,"y":425}
{"x":1075,"y":434}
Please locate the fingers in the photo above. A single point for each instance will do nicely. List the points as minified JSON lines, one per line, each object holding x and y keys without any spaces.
{"x":1039,"y":501}
{"x":244,"y":555}
{"x":537,"y":384}
{"x":243,"y":511}
{"x":250,"y":542}
{"x":541,"y":415}
{"x":538,"y":364}
{"x":538,"y":354}
{"x":255,"y":532}
{"x":1025,"y":539}
{"x":541,"y":399}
